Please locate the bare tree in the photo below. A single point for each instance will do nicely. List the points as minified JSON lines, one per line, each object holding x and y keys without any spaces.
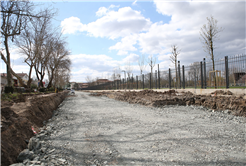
{"x":15,"y":15}
{"x":195,"y":70}
{"x":141,"y":63}
{"x":117,"y":72}
{"x":58,"y":59}
{"x":128,"y":68}
{"x":46,"y":39}
{"x":174,"y":60}
{"x":209,"y":33}
{"x":61,"y":77}
{"x":32,"y":39}
{"x":88,"y":79}
{"x":151,"y":61}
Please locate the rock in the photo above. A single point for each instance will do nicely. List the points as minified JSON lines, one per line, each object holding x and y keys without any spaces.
{"x":25,"y":154}
{"x":26,"y":161}
{"x":51,"y":151}
{"x":62,"y":160}
{"x":34,"y":144}
{"x":17,"y":164}
{"x":41,"y":136}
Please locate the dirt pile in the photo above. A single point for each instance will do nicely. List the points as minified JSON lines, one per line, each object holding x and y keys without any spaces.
{"x":218,"y":100}
{"x":18,"y":119}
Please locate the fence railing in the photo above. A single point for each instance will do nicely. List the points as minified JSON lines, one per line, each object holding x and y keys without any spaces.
{"x":229,"y":72}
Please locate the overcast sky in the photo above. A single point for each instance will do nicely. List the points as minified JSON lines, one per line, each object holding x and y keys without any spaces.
{"x":103,"y":36}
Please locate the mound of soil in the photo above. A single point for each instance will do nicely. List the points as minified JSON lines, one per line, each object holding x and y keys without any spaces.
{"x":236,"y":104}
{"x":19,"y":117}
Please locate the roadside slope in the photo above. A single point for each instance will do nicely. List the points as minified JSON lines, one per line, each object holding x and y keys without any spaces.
{"x":17,"y":122}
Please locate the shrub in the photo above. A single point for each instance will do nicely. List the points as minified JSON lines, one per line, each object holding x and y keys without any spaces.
{"x":42,"y":89}
{"x":51,"y":89}
{"x":34,"y":86}
{"x":8,"y":89}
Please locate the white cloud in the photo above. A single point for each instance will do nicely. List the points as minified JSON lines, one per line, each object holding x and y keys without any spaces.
{"x":127,"y":44}
{"x":134,"y":3}
{"x":183,"y":29}
{"x":71,"y":25}
{"x":131,"y":58}
{"x":113,"y":24}
{"x":101,"y":11}
{"x":138,"y":33}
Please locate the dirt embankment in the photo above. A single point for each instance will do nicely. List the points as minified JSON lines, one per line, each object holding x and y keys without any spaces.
{"x":218,"y":100}
{"x":18,"y":119}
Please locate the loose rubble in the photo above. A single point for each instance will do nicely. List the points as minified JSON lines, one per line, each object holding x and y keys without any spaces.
{"x":218,"y":100}
{"x":109,"y":132}
{"x":40,"y":151}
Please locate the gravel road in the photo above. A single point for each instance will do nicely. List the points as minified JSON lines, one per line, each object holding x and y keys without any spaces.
{"x":89,"y":130}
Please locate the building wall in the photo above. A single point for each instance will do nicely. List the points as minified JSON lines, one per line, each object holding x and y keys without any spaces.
{"x":3,"y":80}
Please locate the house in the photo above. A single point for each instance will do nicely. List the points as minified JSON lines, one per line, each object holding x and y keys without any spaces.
{"x":102,"y":81}
{"x":23,"y":76}
{"x":84,"y":85}
{"x":3,"y":80}
{"x":15,"y":81}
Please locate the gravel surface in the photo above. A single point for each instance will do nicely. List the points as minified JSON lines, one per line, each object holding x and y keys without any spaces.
{"x":87,"y":130}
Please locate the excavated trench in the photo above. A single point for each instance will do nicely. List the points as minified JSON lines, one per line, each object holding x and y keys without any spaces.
{"x":20,"y":117}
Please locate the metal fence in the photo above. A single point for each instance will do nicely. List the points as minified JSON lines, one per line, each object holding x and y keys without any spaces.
{"x":229,"y":72}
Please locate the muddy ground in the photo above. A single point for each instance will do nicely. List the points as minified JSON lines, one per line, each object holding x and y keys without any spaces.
{"x":19,"y":116}
{"x":216,"y":101}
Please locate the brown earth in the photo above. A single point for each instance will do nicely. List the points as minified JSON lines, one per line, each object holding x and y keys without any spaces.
{"x":19,"y":116}
{"x":218,"y":100}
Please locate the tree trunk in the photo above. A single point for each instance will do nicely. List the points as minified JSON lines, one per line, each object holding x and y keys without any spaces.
{"x":212,"y":56}
{"x":9,"y":76}
{"x":29,"y":77}
{"x":51,"y":79}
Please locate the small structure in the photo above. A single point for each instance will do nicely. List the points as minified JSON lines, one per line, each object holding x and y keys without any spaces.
{"x":3,"y":81}
{"x":240,"y":79}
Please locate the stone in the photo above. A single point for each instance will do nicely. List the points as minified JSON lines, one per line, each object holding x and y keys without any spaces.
{"x":41,"y":136}
{"x":62,"y":160}
{"x":25,"y":154}
{"x":33,"y":144}
{"x":17,"y":164}
{"x":26,"y":161}
{"x":51,"y":151}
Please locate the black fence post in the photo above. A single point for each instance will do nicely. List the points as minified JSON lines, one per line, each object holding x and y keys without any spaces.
{"x":127,"y":82}
{"x":183,"y":70}
{"x":120,"y":83}
{"x":179,"y":75}
{"x":170,"y":87}
{"x":132,"y":81}
{"x":123,"y":83}
{"x":137,"y":81}
{"x":155,"y":79}
{"x":205,"y":77}
{"x":143,"y":80}
{"x":226,"y":72}
{"x":195,"y":78}
{"x":159,"y":80}
{"x":201,"y":76}
{"x":149,"y":80}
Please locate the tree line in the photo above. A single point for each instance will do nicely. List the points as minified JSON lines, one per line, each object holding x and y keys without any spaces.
{"x":43,"y":47}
